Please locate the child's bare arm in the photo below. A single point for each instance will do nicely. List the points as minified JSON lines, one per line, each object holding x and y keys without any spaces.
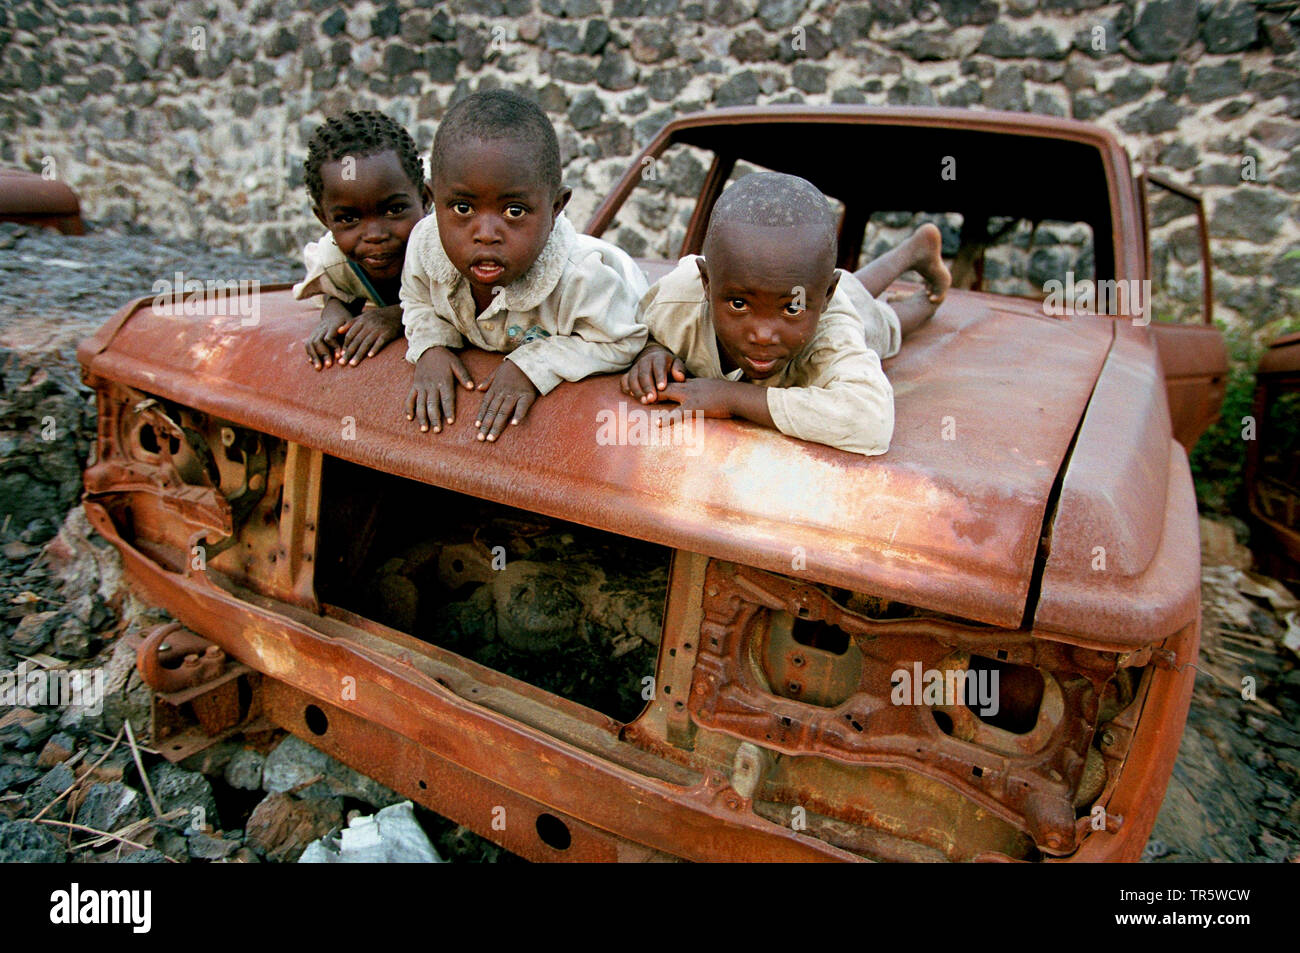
{"x":650,"y":371}
{"x":715,"y":398}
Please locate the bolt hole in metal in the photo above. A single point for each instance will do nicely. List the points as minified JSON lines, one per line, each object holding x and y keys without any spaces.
{"x":148,"y":439}
{"x":553,"y":832}
{"x":317,"y":722}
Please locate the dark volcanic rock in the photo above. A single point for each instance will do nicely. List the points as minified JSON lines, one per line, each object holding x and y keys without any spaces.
{"x":22,"y":842}
{"x":1231,"y":26}
{"x":1163,"y":28}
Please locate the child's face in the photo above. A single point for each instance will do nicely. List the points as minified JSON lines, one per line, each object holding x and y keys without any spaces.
{"x":494,"y":211}
{"x":370,"y":207}
{"x":754,"y":278}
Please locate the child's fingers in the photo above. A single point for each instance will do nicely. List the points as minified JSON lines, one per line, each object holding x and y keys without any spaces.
{"x":522,"y":407}
{"x":432,"y":410}
{"x":459,"y":370}
{"x":356,"y":350}
{"x":679,"y":369}
{"x":420,"y":408}
{"x":502,"y":416}
{"x":486,"y":410}
{"x":447,"y":395}
{"x":661,"y":365}
{"x":643,"y":382}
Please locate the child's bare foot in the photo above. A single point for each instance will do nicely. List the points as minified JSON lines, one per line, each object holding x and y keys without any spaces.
{"x":928,"y":262}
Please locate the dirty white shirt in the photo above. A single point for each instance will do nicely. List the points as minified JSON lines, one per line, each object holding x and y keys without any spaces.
{"x":832,"y":392}
{"x":572,"y":314}
{"x":330,"y":274}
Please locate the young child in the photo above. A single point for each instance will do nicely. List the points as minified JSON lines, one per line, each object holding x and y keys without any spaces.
{"x":500,"y":267}
{"x":769,"y":330}
{"x":367,"y":187}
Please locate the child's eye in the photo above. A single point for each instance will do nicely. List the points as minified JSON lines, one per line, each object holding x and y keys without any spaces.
{"x":344,"y":219}
{"x":461,"y":208}
{"x":736,"y":304}
{"x":398,"y":209}
{"x":792,"y":310}
{"x":516,"y":211}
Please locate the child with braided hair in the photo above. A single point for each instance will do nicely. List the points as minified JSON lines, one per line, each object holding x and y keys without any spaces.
{"x":367,"y":187}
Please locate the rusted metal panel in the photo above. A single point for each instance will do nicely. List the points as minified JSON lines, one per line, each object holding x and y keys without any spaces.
{"x":949,"y":518}
{"x":406,"y":725}
{"x":507,"y":818}
{"x":702,"y":822}
{"x":1124,"y":562}
{"x":1195,"y":364}
{"x":31,"y":199}
{"x":1136,"y":795}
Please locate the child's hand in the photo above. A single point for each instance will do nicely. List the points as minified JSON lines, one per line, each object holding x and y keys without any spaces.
{"x":509,"y":395}
{"x":433,"y":392}
{"x":650,"y":371}
{"x":367,"y":333}
{"x":703,"y":395}
{"x":324,"y":343}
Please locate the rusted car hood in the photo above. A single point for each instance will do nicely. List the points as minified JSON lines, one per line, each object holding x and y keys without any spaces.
{"x":988,"y":397}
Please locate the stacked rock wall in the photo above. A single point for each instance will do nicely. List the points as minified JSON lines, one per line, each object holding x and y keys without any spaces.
{"x":192,"y":117}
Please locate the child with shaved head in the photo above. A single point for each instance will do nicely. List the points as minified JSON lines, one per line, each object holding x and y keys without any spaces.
{"x":498,"y":266}
{"x":769,"y":330}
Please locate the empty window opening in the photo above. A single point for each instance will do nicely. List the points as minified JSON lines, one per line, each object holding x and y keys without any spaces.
{"x":569,"y":609}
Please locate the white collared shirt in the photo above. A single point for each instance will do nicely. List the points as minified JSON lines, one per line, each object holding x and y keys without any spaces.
{"x":572,"y":314}
{"x":330,"y":275}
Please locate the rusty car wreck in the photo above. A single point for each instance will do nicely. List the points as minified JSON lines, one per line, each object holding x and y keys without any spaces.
{"x":1034,"y":518}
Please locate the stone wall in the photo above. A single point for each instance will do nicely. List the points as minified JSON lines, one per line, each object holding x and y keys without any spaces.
{"x":192,"y":117}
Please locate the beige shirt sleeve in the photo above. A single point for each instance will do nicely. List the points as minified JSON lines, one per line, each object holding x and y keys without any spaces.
{"x":837,"y":394}
{"x":425,"y":328}
{"x":880,"y":326}
{"x":328,"y":274}
{"x":674,"y":314}
{"x":596,"y":328}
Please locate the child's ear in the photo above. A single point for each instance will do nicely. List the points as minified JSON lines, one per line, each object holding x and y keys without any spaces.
{"x":561,"y":199}
{"x":320,"y":216}
{"x":835,"y":281}
{"x":426,"y":196}
{"x":704,"y":273}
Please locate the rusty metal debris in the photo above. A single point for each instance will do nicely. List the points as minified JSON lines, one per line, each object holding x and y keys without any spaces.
{"x":1272,"y":472}
{"x":31,"y":199}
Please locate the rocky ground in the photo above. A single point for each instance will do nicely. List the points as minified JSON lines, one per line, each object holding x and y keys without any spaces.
{"x":67,"y":772}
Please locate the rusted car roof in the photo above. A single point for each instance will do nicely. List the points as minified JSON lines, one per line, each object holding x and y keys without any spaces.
{"x":33,"y":200}
{"x":988,"y":397}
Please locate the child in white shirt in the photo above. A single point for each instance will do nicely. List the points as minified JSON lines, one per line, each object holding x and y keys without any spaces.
{"x":499,"y":267}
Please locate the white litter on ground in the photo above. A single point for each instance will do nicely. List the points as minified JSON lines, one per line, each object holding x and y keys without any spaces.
{"x":392,"y":836}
